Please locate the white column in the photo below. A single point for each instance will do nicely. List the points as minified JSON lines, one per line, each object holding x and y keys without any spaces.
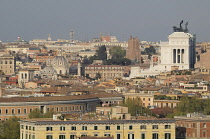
{"x":176,"y":55}
{"x":180,"y":55}
{"x":183,"y":56}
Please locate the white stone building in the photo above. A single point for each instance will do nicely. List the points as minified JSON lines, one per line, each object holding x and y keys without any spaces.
{"x":176,"y":54}
{"x":25,"y":76}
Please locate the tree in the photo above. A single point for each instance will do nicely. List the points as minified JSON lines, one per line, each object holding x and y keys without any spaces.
{"x":135,"y":107}
{"x":11,"y":129}
{"x":36,"y":113}
{"x":123,"y":62}
{"x":117,"y":52}
{"x":92,"y":58}
{"x":149,"y":51}
{"x":101,"y":53}
{"x":98,"y":76}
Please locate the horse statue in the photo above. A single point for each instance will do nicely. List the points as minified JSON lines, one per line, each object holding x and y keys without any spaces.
{"x":180,"y":29}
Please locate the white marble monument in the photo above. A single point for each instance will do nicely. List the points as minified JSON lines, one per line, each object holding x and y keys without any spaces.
{"x":178,"y":53}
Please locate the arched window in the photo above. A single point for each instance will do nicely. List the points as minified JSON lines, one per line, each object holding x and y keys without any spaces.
{"x":25,"y":76}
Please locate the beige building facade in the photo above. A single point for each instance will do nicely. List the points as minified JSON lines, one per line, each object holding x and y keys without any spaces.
{"x":118,"y":129}
{"x":7,"y":64}
{"x":106,"y":71}
{"x":22,"y":106}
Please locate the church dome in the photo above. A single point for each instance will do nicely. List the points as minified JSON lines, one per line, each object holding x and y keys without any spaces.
{"x":60,"y":64}
{"x":59,"y":61}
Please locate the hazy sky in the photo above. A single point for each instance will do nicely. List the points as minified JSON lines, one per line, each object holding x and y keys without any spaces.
{"x":150,"y":20}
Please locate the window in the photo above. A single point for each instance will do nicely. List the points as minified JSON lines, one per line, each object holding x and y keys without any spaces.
{"x":22,"y":126}
{"x":72,"y":136}
{"x":95,"y":135}
{"x":107,"y":135}
{"x":84,"y":127}
{"x":0,"y":111}
{"x":62,"y":137}
{"x":148,"y":99}
{"x":155,"y":136}
{"x":167,"y":135}
{"x":204,"y":125}
{"x":130,"y":127}
{"x":29,"y":127}
{"x":61,"y":108}
{"x":19,"y":111}
{"x":49,"y":137}
{"x":25,"y":111}
{"x":6,"y":111}
{"x":118,"y":136}
{"x":167,"y":126}
{"x":107,"y":127}
{"x":26,"y":127}
{"x":204,"y":133}
{"x":142,"y":135}
{"x":130,"y":136}
{"x":13,"y":111}
{"x":143,"y":127}
{"x":33,"y":128}
{"x":62,"y":128}
{"x":118,"y":127}
{"x":95,"y":127}
{"x":73,"y":128}
{"x":48,"y":128}
{"x":155,"y":127}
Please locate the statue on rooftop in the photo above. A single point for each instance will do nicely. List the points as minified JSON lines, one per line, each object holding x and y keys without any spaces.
{"x":180,"y":29}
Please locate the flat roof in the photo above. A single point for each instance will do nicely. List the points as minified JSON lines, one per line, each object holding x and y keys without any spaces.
{"x":45,"y":122}
{"x":57,"y":98}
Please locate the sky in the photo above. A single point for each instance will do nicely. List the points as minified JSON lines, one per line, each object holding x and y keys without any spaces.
{"x":149,"y":20}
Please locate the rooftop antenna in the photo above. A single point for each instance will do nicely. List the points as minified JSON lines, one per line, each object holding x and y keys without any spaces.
{"x":49,"y":38}
{"x":71,"y":36}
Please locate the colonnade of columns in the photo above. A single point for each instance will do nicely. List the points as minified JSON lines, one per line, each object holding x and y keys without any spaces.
{"x":178,"y":55}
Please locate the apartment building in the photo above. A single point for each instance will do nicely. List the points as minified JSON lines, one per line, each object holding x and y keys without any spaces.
{"x":193,"y":126}
{"x":7,"y":64}
{"x":106,"y":71}
{"x":118,"y":129}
